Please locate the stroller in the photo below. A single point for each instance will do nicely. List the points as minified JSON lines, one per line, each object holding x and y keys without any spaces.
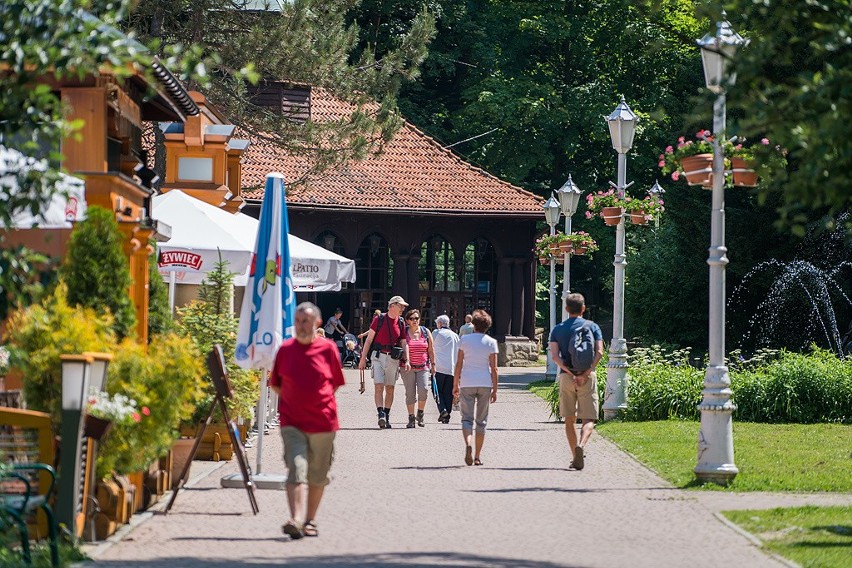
{"x":350,"y":350}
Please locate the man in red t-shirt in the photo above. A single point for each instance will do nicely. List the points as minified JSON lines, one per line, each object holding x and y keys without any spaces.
{"x":306,"y":374}
{"x":386,"y":331}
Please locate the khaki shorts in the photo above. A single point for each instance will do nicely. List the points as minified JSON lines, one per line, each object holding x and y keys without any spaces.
{"x":581,"y":402}
{"x":385,"y":369}
{"x":308,"y":456}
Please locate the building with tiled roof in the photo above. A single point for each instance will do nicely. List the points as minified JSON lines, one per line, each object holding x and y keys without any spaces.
{"x":419,"y":221}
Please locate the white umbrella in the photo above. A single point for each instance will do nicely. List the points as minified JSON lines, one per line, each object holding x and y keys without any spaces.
{"x":266,"y":318}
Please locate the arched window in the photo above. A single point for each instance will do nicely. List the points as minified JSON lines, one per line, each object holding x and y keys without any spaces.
{"x":373,"y":278}
{"x":440,"y":286}
{"x":480,"y":269}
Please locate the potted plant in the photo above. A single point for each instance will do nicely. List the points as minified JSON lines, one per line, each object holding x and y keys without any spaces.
{"x":543,"y":246}
{"x":606,"y":204}
{"x":643,"y":210}
{"x":583,"y":243}
{"x":690,"y":158}
{"x":566,"y":245}
{"x":746,"y":162}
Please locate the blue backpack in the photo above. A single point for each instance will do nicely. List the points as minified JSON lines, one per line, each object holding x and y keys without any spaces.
{"x":581,"y":349}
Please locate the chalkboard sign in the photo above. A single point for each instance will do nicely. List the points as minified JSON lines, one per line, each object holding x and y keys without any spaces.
{"x":219,"y":372}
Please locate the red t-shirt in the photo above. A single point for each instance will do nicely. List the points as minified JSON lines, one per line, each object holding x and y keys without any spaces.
{"x":389,"y":333}
{"x":307,"y":375}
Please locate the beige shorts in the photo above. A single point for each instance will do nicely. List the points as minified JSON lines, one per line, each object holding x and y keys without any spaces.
{"x":581,"y":402}
{"x":308,"y":456}
{"x":385,"y":369}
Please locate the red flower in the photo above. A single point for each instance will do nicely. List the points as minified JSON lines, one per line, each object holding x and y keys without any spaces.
{"x":146,"y":411}
{"x":136,"y":417}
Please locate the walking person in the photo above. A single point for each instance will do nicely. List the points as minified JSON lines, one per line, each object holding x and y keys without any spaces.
{"x":421,"y":363}
{"x":446,"y":346}
{"x":475,"y":382}
{"x":306,"y":375}
{"x":576,"y":345}
{"x":386,"y":342}
{"x":467,"y":327}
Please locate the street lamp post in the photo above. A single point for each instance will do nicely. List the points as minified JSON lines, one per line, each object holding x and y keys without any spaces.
{"x":622,"y":127}
{"x":75,"y":386}
{"x":551,"y":215}
{"x":569,"y":198}
{"x":715,"y":438}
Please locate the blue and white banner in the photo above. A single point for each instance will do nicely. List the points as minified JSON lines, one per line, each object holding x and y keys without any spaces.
{"x":266,"y":317}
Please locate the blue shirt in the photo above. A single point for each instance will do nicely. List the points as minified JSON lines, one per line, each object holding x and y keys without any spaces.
{"x":563,"y":333}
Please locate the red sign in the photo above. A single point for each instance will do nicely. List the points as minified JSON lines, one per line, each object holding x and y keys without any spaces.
{"x":180,"y":258}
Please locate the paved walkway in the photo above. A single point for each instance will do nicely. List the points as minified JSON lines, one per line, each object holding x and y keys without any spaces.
{"x":405,"y":497}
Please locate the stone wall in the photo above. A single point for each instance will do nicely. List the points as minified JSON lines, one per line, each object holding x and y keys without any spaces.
{"x":517,"y":352}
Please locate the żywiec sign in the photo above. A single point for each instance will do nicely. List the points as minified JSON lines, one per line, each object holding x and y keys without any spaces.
{"x":180,"y":258}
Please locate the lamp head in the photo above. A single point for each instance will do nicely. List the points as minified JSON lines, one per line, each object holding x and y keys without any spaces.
{"x":551,"y":211}
{"x":569,"y":197}
{"x":622,"y":127}
{"x":75,"y":381}
{"x":717,"y":50}
{"x":98,"y":369}
{"x":656,"y":189}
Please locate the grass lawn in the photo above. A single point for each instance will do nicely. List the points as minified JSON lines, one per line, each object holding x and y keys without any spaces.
{"x":811,"y":536}
{"x":770,"y":457}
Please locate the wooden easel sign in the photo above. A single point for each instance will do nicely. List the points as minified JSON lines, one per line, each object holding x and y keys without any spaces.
{"x":219,"y":374}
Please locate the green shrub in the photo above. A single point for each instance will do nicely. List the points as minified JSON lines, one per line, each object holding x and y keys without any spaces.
{"x":159,"y":312}
{"x":96,"y":270}
{"x":166,"y":384}
{"x":800,"y":388}
{"x":39,"y":334}
{"x":662,"y":385}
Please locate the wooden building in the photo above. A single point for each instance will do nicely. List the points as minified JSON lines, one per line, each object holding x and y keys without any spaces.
{"x":419,"y":222}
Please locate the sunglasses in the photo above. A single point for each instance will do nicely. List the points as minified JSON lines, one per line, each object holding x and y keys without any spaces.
{"x":414,"y":318}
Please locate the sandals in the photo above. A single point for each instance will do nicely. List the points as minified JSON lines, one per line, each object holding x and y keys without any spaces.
{"x":477,"y":461}
{"x":311,"y":528}
{"x":293,"y":529}
{"x":468,"y":455}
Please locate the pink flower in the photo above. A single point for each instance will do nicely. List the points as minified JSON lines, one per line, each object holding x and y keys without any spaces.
{"x":739,"y":146}
{"x":662,"y":156}
{"x":675,"y":175}
{"x":764,"y":141}
{"x":681,"y":140}
{"x":146,"y":411}
{"x":136,"y":417}
{"x":662,"y":163}
{"x":588,"y":214}
{"x":669,"y":149}
{"x":699,"y":134}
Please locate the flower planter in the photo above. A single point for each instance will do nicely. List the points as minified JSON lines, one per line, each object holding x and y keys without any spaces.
{"x":566,"y":246}
{"x":554,"y":249}
{"x":612,"y":215}
{"x":96,"y":428}
{"x":698,"y":169}
{"x":638,"y":218}
{"x":180,"y":455}
{"x":742,"y":174}
{"x":560,"y":259}
{"x":580,"y":250}
{"x":543,"y":260}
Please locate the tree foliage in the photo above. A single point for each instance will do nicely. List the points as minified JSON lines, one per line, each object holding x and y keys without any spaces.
{"x":96,"y":270}
{"x":793,"y":88}
{"x":307,"y":42}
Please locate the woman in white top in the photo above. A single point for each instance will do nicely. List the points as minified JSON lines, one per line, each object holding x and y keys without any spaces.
{"x":475,"y":382}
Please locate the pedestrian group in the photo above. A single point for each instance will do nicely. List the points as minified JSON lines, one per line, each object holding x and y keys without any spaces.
{"x":457,"y":368}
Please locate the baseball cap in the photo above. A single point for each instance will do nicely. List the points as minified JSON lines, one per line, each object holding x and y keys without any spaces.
{"x":443,"y":320}
{"x":397,"y":300}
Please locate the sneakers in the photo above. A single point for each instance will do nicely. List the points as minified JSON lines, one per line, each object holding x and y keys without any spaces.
{"x":383,"y":420}
{"x":578,"y":458}
{"x":444,"y":417}
{"x":411,"y":423}
{"x":420,"y":418}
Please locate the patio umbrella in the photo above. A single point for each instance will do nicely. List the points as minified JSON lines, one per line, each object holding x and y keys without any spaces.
{"x":266,"y":318}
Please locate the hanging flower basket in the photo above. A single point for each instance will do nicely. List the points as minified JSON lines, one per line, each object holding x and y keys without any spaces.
{"x":96,"y":428}
{"x":543,"y":260}
{"x":554,"y":249}
{"x":612,"y":215}
{"x":566,"y":246}
{"x":581,"y":250}
{"x":698,"y":169}
{"x":743,"y":175}
{"x":638,"y":218}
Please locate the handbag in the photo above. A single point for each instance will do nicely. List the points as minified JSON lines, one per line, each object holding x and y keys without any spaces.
{"x":396,"y":352}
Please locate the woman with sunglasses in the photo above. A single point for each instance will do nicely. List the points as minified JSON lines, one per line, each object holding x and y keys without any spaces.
{"x":421,"y":355}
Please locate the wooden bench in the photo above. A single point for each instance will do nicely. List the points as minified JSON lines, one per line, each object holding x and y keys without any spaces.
{"x":26,"y":438}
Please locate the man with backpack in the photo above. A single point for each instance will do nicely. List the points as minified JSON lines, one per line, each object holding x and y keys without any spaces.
{"x":386,"y":349}
{"x":576,"y":345}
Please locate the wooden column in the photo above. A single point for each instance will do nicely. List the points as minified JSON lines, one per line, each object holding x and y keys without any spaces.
{"x":529,"y":268}
{"x":400,"y":275}
{"x":503,"y":299}
{"x":517,"y":297}
{"x":413,"y":294}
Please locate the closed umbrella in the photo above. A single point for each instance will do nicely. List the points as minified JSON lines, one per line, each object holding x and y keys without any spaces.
{"x":266,"y":318}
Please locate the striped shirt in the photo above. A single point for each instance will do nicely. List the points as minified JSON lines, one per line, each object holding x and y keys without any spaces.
{"x":418,"y":349}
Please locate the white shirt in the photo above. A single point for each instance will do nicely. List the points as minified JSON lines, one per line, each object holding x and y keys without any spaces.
{"x":446,"y":345}
{"x":477,"y":348}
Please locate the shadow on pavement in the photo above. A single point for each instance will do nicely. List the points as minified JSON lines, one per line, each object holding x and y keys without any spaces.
{"x":407,"y":559}
{"x":564,"y":490}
